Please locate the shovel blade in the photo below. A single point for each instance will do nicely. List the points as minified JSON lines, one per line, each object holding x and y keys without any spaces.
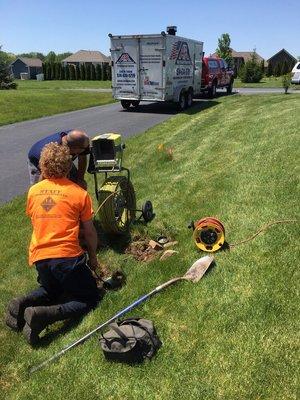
{"x":198,"y":269}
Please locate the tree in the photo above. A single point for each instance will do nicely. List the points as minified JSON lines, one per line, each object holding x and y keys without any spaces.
{"x":224,"y":51}
{"x":57,"y":70}
{"x":251,"y":72}
{"x":88,"y":72}
{"x":6,"y":79}
{"x":62,"y":72}
{"x":108,"y":72}
{"x":32,"y":54}
{"x":286,"y":82}
{"x":77,"y":72}
{"x":62,"y":56}
{"x":93,"y":73}
{"x":51,"y":57}
{"x":104,"y":72}
{"x":98,"y":72}
{"x":82,"y":71}
{"x":262,"y":66}
{"x":72,"y":72}
{"x":67,"y":72}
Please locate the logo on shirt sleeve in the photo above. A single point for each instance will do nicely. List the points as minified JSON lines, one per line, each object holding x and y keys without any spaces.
{"x":48,"y":204}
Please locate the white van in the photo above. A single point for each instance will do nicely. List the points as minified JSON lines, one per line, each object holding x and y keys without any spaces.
{"x":296,"y":74}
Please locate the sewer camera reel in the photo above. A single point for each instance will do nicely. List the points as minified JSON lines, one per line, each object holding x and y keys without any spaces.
{"x":116,"y":195}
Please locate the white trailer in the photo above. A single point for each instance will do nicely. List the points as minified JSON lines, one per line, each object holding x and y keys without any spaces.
{"x":158,"y":67}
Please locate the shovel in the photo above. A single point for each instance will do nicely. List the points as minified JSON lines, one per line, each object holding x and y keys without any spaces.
{"x":194,"y":274}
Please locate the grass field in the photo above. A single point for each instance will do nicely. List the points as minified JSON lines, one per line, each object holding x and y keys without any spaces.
{"x":271,"y":82}
{"x":35,"y":99}
{"x":234,"y":334}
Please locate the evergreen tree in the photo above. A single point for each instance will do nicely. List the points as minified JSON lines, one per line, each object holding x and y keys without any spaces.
{"x":93,"y":73}
{"x":67,"y":72}
{"x":98,"y":72}
{"x":72,"y":72}
{"x":52,"y":70}
{"x":82,"y":71}
{"x":51,"y":57}
{"x":78,"y":77}
{"x":251,"y":72}
{"x":57,"y":70}
{"x":262,"y":66}
{"x":44,"y":66}
{"x":104,"y":72}
{"x":224,"y":51}
{"x":62,"y":73}
{"x":88,"y":72}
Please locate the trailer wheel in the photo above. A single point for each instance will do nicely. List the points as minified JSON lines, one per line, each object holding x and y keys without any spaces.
{"x":181,"y":105}
{"x":189,"y":98}
{"x":126,"y":104}
{"x":135,"y":103}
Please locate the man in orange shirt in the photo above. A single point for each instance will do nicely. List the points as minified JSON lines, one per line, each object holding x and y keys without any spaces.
{"x":57,"y":207}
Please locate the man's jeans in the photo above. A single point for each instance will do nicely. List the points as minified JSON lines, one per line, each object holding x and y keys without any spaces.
{"x":70,"y":277}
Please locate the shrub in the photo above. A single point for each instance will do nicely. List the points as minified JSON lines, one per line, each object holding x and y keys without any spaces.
{"x":77,"y":72}
{"x":72,"y":72}
{"x":98,"y":72}
{"x":286,"y":82}
{"x":62,"y":73}
{"x":88,"y":72}
{"x":269,"y":70}
{"x":93,"y":73}
{"x":82,"y":71}
{"x":67,"y":72}
{"x":251,"y":71}
{"x":104,"y":72}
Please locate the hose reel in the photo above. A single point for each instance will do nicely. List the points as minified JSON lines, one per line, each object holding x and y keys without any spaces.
{"x":208,"y":234}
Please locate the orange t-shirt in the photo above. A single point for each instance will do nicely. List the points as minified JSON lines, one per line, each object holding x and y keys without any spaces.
{"x":56,"y":207}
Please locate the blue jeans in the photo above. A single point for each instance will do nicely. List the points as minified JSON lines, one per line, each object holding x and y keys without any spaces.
{"x":70,"y":277}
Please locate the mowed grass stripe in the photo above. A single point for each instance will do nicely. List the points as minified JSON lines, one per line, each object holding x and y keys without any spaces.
{"x":234,"y":334}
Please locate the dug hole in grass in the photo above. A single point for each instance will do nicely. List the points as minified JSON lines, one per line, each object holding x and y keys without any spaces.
{"x":233,"y":334}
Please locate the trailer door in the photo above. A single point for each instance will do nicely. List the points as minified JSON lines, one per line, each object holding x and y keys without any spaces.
{"x":125,"y":62}
{"x":198,"y":56}
{"x":151,"y":68}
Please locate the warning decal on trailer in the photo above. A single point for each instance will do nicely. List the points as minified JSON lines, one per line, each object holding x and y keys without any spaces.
{"x":180,"y":52}
{"x":125,"y":58}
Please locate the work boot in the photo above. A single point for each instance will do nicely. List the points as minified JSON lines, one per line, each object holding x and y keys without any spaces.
{"x":37,"y":319}
{"x":16,"y":307}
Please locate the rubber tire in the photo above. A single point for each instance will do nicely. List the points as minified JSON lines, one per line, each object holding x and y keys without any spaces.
{"x":189,"y":99}
{"x":181,"y":105}
{"x":229,"y":88}
{"x":126,"y":104}
{"x":212,"y":90}
{"x":135,"y":103}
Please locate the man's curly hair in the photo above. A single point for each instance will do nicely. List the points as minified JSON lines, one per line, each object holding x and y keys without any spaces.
{"x":55,"y":161}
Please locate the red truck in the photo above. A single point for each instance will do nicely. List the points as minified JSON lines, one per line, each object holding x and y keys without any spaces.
{"x":216,"y":74}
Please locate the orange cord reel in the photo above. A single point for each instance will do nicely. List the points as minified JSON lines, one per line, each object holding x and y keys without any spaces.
{"x":208,"y":234}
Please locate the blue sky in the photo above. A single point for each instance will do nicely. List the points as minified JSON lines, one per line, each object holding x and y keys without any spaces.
{"x":65,"y":25}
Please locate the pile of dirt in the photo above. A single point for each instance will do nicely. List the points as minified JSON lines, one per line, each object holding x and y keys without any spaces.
{"x":145,"y":249}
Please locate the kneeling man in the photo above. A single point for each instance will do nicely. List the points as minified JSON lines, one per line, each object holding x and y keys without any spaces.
{"x":56,"y":207}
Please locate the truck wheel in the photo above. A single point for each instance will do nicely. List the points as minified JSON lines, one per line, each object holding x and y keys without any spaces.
{"x":125,"y":104}
{"x":189,"y":98}
{"x":212,"y":91}
{"x":229,"y":88}
{"x":182,"y":102}
{"x":135,"y":103}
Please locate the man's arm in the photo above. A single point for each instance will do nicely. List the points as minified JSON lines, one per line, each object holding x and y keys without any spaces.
{"x":91,"y":238}
{"x":82,"y":164}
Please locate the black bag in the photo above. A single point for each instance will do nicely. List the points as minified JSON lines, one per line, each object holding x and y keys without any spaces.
{"x":130,"y":341}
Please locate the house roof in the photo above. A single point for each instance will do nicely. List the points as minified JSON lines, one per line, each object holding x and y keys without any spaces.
{"x":246,"y":55}
{"x":87,"y":56}
{"x":30,"y":62}
{"x":283,"y":51}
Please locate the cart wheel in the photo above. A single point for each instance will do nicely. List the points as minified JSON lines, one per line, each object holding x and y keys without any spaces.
{"x":147,"y":211}
{"x":126,"y":104}
{"x":119,"y":204}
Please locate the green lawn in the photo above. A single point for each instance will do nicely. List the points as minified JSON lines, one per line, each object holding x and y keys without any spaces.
{"x":234,"y":334}
{"x":35,"y":99}
{"x":271,"y":82}
{"x":33,"y":84}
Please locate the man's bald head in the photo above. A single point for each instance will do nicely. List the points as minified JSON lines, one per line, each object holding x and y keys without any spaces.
{"x":77,"y":141}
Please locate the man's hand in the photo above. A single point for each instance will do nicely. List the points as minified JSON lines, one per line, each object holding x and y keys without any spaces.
{"x":94,"y":264}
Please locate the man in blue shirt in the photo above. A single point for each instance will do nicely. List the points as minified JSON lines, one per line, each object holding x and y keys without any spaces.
{"x":78,"y":143}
